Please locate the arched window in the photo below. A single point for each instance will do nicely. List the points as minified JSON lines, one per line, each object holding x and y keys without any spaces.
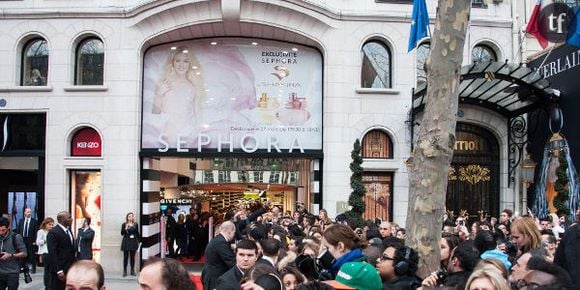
{"x":483,"y":53}
{"x":34,"y":63}
{"x":90,"y":57}
{"x":377,"y":144}
{"x":422,"y":54}
{"x":376,"y":65}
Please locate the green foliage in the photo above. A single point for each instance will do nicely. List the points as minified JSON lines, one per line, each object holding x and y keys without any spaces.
{"x":561,"y":186}
{"x":358,"y":190}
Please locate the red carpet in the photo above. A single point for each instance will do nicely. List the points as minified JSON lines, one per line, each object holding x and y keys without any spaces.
{"x":186,"y":260}
{"x":197,"y":281}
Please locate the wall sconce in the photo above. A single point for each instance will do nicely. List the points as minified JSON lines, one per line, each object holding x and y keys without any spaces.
{"x":410,"y":161}
{"x":162,"y":192}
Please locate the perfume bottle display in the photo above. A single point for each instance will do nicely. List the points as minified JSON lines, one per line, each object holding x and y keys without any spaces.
{"x":294,"y":111}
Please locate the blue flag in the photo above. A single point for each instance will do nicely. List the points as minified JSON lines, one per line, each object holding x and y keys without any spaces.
{"x":573,"y":37}
{"x":419,"y":23}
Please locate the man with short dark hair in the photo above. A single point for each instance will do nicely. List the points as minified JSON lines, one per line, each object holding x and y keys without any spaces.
{"x":246,"y":256}
{"x":164,"y":274}
{"x":13,"y":249}
{"x":462,"y":261}
{"x":84,"y":243}
{"x":270,"y":251}
{"x":85,"y":275}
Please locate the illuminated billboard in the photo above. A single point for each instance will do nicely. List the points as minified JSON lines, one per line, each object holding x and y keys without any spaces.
{"x":232,"y":95}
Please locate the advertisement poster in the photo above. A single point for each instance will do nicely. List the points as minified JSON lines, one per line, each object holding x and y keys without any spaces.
{"x":86,"y":202}
{"x":232,"y":94}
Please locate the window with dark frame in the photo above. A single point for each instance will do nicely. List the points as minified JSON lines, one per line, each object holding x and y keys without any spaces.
{"x":89,"y":67}
{"x":34,"y":63}
{"x":376,"y":65}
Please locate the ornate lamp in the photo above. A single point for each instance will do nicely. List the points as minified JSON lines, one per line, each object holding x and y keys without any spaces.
{"x":528,"y":169}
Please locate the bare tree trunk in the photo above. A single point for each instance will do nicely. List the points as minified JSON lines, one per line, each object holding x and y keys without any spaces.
{"x":434,"y":145}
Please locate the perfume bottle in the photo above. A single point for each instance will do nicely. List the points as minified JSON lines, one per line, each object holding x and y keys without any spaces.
{"x":263,"y":102}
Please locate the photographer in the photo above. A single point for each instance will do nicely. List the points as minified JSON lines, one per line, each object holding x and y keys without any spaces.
{"x":12,"y":248}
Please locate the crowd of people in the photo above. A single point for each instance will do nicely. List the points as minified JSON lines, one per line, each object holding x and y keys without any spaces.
{"x":269,"y":250}
{"x":264,"y":249}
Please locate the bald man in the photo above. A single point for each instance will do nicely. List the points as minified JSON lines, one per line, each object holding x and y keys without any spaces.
{"x":85,"y":275}
{"x":219,"y":256}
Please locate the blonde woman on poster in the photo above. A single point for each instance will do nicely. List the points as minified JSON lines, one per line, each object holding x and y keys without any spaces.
{"x":178,"y":95}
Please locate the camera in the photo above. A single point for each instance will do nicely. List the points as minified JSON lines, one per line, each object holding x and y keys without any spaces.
{"x":441,"y":276}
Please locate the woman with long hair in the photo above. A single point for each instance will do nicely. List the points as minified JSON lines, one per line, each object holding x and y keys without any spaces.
{"x":525,"y":235}
{"x":130,"y":243}
{"x":447,"y":243}
{"x":344,"y":246}
{"x":179,"y":94}
{"x":45,"y":226}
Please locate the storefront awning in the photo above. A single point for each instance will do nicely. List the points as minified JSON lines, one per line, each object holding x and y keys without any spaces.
{"x":507,"y":88}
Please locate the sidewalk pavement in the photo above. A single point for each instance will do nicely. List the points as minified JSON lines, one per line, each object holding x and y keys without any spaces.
{"x":113,"y":281}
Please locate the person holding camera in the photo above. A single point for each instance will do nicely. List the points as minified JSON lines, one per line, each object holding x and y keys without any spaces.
{"x":342,"y":246}
{"x":12,"y":249}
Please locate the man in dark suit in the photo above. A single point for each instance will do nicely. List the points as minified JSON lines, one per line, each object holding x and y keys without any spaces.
{"x":270,"y":252}
{"x":219,"y":256}
{"x":246,"y":256}
{"x":61,"y":250}
{"x":84,"y":244}
{"x":27,"y":228}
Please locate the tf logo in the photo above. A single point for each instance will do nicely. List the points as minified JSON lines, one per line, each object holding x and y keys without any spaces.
{"x":555,"y":20}
{"x":281,"y":72}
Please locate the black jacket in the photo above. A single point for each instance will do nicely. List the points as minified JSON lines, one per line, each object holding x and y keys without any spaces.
{"x":61,"y":251}
{"x":230,"y":280}
{"x":568,"y":253}
{"x":402,"y":283}
{"x":219,"y":258}
{"x":85,"y":244}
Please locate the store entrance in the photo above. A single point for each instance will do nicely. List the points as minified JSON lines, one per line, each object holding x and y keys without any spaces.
{"x":199,"y":192}
{"x":21,"y":184}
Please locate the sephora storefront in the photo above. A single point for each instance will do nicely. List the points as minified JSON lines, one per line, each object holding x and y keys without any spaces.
{"x":226,"y":120}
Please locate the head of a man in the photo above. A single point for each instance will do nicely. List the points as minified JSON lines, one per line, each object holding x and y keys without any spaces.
{"x":4,"y":226}
{"x":164,"y":274}
{"x":464,"y":257}
{"x":246,"y":254}
{"x":64,"y":218}
{"x":397,"y":254}
{"x":85,"y":275}
{"x":385,"y":229}
{"x":521,"y":267}
{"x":228,"y":230}
{"x":505,"y":215}
{"x":27,"y":212}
